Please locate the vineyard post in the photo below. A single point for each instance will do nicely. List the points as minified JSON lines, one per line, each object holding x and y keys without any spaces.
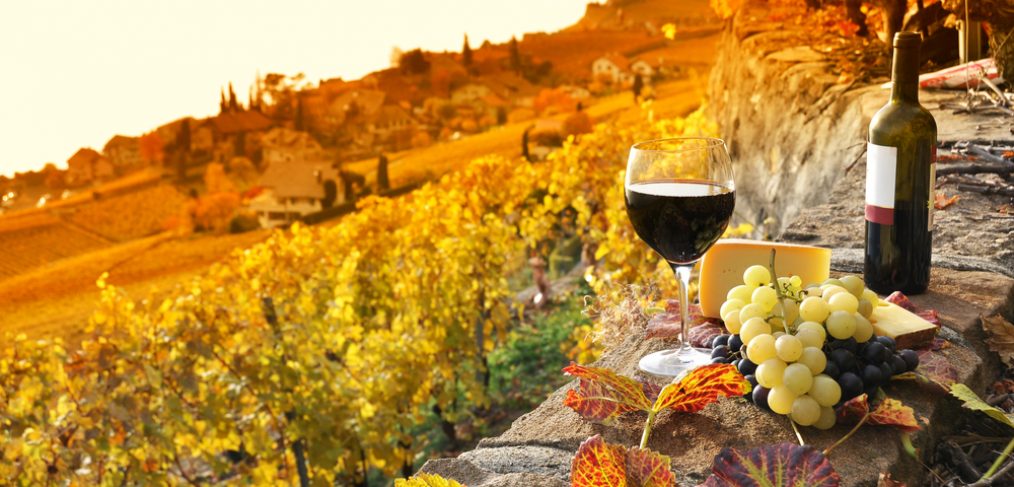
{"x":298,"y":446}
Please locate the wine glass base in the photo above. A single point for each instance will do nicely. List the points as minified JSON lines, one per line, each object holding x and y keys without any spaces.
{"x":673,"y":363}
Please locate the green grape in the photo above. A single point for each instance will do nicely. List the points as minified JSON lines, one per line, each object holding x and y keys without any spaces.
{"x":827,"y":419}
{"x":865,"y":307}
{"x":765,"y":296}
{"x":813,"y":309}
{"x":730,"y":305}
{"x":732,"y":322}
{"x":843,"y":302}
{"x":854,"y":285}
{"x":770,"y":372}
{"x":752,"y":310}
{"x":788,"y":348}
{"x":832,"y":282}
{"x":871,"y":297}
{"x":797,"y":377}
{"x":825,"y":390}
{"x":790,"y":309}
{"x":752,"y":328}
{"x":756,"y":275}
{"x":814,"y":359}
{"x":780,"y":399}
{"x":828,"y":291}
{"x":810,"y":338}
{"x":841,"y":325}
{"x":796,"y":281}
{"x":864,"y":329}
{"x":776,"y":323}
{"x":777,"y":334}
{"x":739,"y":292}
{"x":761,"y":348}
{"x":805,"y":411}
{"x":814,"y":326}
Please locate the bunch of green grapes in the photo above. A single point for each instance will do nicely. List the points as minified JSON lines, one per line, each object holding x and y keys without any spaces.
{"x":778,"y":332}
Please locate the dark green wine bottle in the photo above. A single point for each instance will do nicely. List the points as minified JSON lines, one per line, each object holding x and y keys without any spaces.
{"x":900,"y":175}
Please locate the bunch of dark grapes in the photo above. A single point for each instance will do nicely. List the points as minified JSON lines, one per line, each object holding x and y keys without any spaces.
{"x":863,"y":367}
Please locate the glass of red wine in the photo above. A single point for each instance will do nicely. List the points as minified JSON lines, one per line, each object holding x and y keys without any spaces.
{"x":680,"y":195}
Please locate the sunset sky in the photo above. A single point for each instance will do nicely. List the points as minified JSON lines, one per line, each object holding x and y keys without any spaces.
{"x":76,"y":73}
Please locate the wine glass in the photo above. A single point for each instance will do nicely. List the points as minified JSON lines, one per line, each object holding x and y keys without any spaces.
{"x":680,"y":196}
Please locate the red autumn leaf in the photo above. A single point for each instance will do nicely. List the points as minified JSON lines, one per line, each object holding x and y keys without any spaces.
{"x":701,"y":335}
{"x":667,"y":325}
{"x":934,"y":368}
{"x":888,"y":412}
{"x":702,"y":386}
{"x":646,"y":468}
{"x":598,"y":464}
{"x":900,"y":299}
{"x":941,"y":201}
{"x":602,"y":394}
{"x":784,"y":464}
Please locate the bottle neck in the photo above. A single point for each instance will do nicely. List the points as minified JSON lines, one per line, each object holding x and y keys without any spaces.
{"x":905,"y":74}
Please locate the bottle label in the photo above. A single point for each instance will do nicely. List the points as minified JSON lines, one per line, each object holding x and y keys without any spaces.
{"x":881,"y":174}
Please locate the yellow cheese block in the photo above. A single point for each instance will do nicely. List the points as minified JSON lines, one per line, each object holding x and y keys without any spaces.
{"x":722,"y":267}
{"x":905,"y":327}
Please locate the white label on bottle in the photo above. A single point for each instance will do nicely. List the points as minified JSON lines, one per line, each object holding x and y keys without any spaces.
{"x":881,"y":174}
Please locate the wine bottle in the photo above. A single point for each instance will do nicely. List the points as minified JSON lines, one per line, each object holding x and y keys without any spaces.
{"x":900,"y":175}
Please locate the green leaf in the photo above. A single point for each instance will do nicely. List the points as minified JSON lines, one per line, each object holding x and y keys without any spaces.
{"x":781,"y":465}
{"x":972,"y":401}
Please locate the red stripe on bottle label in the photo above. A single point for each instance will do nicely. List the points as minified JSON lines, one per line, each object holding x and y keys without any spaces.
{"x":879,"y":214}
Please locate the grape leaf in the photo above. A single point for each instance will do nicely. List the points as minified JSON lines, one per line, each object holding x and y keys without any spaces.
{"x":901,"y":300}
{"x":888,"y":412}
{"x":701,"y":335}
{"x":935,"y":368}
{"x":1001,"y":337}
{"x":426,"y":480}
{"x":700,"y":387}
{"x":602,"y":394}
{"x":667,"y":324}
{"x":599,"y":464}
{"x":972,"y":401}
{"x":646,"y":468}
{"x":784,"y":464}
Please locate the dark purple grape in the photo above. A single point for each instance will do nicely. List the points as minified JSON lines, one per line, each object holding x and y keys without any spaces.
{"x":832,"y":371}
{"x":844,"y":359}
{"x":898,"y":364}
{"x":873,"y":375}
{"x":875,"y":352}
{"x":887,"y":371}
{"x":719,"y":360}
{"x":846,"y":344}
{"x":720,"y":351}
{"x":735,"y":343}
{"x":911,"y":359}
{"x":851,"y":385}
{"x":760,"y":397}
{"x":719,"y":340}
{"x":746,"y":367}
{"x":887,"y":342}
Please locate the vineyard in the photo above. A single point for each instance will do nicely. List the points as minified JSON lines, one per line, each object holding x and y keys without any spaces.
{"x":33,"y":240}
{"x":316,"y":353}
{"x":132,"y":215}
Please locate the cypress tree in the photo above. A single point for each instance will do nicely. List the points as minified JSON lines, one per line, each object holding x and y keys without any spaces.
{"x":515,"y":55}
{"x":466,"y":53}
{"x":222,"y":105}
{"x":233,"y":105}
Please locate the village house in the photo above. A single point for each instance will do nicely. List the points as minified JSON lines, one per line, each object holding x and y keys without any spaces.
{"x":123,"y":152}
{"x":394,"y":126}
{"x":291,"y":191}
{"x":643,"y":69}
{"x":612,"y":68}
{"x":230,"y":134}
{"x":87,"y":166}
{"x":469,"y":93}
{"x":281,"y":146}
{"x":353,"y":105}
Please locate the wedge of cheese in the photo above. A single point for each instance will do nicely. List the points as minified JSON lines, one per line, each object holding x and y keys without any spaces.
{"x":722,"y":267}
{"x":906,"y":328}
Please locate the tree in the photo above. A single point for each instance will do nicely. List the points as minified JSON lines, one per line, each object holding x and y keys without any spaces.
{"x":330,"y":194}
{"x":414,"y":62}
{"x":54,"y":176}
{"x":524,"y":144}
{"x":152,"y":150}
{"x":637,"y":87}
{"x":222,"y":104}
{"x":383,"y":184}
{"x":216,"y":181}
{"x":300,"y":124}
{"x":233,"y":104}
{"x":183,"y":139}
{"x":466,"y":53}
{"x":515,"y":55}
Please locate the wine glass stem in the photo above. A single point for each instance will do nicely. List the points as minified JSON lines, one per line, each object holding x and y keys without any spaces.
{"x":683,"y":276}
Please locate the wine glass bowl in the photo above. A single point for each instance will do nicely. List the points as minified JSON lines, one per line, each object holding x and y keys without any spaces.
{"x":680,"y":195}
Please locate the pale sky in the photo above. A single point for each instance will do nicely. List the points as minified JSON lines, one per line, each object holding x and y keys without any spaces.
{"x":73,"y":73}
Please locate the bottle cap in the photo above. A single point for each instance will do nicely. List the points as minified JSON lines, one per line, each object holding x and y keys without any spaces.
{"x":907,"y":39}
